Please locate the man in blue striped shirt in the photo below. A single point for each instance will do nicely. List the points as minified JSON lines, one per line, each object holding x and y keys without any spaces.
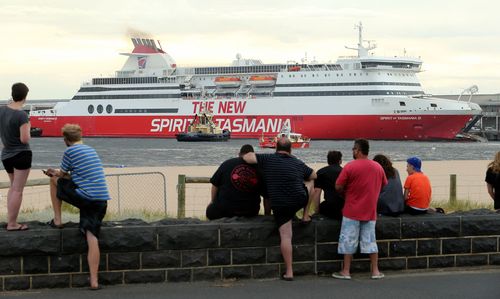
{"x":81,"y":182}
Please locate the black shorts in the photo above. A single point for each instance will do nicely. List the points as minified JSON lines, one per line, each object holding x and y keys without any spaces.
{"x":91,"y":211}
{"x":286,"y":213}
{"x":216,"y":210}
{"x":21,"y":161}
{"x":331,"y":209}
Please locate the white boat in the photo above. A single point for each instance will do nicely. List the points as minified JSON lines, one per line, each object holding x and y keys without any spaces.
{"x":365,"y":96}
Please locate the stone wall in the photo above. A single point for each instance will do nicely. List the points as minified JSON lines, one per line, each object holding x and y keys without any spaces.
{"x":191,"y":250}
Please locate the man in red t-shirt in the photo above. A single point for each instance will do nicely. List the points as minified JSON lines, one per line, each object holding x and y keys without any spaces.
{"x":361,"y":180}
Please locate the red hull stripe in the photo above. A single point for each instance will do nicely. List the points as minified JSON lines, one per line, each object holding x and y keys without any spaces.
{"x":387,"y":127}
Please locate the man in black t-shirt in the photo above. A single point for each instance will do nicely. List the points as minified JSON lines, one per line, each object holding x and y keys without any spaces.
{"x":236,"y":188}
{"x":284,"y":177}
{"x":327,"y":176}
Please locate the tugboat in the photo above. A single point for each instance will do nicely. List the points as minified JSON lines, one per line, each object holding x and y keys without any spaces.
{"x":36,"y":132}
{"x":298,"y":141}
{"x":202,"y":128}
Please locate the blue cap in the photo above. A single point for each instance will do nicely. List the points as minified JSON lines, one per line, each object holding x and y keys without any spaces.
{"x":415,"y":162}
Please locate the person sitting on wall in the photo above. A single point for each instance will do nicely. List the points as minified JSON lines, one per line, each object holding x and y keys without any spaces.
{"x":418,"y":189}
{"x":236,"y":188}
{"x":390,"y":201}
{"x":327,"y":176}
{"x":81,"y":183}
{"x":493,"y":181}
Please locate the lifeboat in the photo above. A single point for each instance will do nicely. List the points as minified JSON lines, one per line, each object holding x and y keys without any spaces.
{"x":262,"y":80}
{"x":227,"y":81}
{"x":294,"y":68}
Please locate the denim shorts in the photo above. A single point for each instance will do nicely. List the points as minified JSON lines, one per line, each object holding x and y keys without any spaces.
{"x":354,"y":232}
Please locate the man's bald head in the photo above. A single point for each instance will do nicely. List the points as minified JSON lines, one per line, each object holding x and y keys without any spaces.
{"x":284,"y":144}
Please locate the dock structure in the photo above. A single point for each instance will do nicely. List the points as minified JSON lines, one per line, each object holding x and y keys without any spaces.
{"x":488,"y":125}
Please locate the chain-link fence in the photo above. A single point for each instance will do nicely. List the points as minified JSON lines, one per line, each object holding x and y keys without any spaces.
{"x":141,"y":195}
{"x":468,"y":187}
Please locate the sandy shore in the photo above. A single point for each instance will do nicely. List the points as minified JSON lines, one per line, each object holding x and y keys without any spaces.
{"x":142,"y":189}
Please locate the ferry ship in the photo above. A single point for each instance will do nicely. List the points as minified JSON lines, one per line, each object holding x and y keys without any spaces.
{"x":362,"y":96}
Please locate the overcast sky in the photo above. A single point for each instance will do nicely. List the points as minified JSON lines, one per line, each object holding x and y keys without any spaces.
{"x":54,"y":46}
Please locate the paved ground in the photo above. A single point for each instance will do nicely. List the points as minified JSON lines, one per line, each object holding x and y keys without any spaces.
{"x":468,"y":284}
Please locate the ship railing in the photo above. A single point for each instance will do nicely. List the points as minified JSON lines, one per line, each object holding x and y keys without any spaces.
{"x":470,"y":90}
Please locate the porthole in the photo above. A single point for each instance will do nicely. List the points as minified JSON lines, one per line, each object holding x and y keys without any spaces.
{"x":109,"y":108}
{"x":99,"y":109}
{"x":91,"y":109}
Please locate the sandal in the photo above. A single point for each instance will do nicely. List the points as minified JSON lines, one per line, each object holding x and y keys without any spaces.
{"x":339,"y":275}
{"x":52,"y":224}
{"x":285,"y":278}
{"x":21,"y":227}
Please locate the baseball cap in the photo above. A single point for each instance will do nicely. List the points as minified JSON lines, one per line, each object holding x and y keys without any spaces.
{"x":415,"y":162}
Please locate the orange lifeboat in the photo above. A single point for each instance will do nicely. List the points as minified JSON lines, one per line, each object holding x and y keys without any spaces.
{"x":227,"y":81}
{"x":294,"y":68}
{"x":262,"y":80}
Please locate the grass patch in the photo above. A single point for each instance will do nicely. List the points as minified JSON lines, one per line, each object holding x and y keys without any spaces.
{"x":461,"y":205}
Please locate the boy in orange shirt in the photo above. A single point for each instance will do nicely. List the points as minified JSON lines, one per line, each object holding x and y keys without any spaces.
{"x":418,"y":189}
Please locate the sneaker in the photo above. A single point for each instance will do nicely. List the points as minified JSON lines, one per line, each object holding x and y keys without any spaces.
{"x":378,"y":276}
{"x":339,"y":275}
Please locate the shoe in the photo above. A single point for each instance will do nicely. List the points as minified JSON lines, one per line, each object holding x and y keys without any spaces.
{"x":440,"y":210}
{"x":283,"y":277}
{"x":339,"y":275}
{"x":21,"y":227}
{"x":52,"y":224}
{"x":97,"y":288}
{"x":378,"y":276}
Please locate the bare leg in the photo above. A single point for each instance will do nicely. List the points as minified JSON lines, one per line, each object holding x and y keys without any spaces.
{"x":346,"y":268}
{"x":15,"y":196}
{"x":93,"y":257}
{"x":286,"y":247}
{"x":374,"y":262}
{"x":56,"y":202}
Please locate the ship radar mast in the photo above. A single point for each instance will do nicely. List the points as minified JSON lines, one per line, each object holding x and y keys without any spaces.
{"x":362,"y":50}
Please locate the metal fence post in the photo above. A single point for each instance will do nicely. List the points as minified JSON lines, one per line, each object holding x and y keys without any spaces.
{"x":119,"y":197}
{"x":453,"y":189}
{"x":181,"y":196}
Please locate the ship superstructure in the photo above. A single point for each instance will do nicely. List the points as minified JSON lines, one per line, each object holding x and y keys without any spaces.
{"x":358,"y":96}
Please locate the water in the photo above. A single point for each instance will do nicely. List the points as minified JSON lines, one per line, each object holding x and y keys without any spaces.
{"x":137,"y":152}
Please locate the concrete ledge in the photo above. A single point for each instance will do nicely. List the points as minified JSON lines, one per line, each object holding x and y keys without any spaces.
{"x":175,"y":250}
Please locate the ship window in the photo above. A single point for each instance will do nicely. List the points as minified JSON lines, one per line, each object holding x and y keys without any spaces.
{"x":91,"y":109}
{"x":109,"y":108}
{"x":433,"y":105}
{"x":99,"y":109}
{"x":402,"y":104}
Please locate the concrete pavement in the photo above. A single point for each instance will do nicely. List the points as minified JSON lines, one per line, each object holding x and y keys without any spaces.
{"x":480,"y":283}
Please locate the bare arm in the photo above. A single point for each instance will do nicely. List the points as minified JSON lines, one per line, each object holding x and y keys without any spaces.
{"x":313,"y":176}
{"x":491,"y":191}
{"x":250,"y":158}
{"x":58,"y":173}
{"x":213,"y":192}
{"x":339,"y":188}
{"x":24,"y":133}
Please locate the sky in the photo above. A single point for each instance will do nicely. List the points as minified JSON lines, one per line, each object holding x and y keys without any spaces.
{"x":55,"y":45}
